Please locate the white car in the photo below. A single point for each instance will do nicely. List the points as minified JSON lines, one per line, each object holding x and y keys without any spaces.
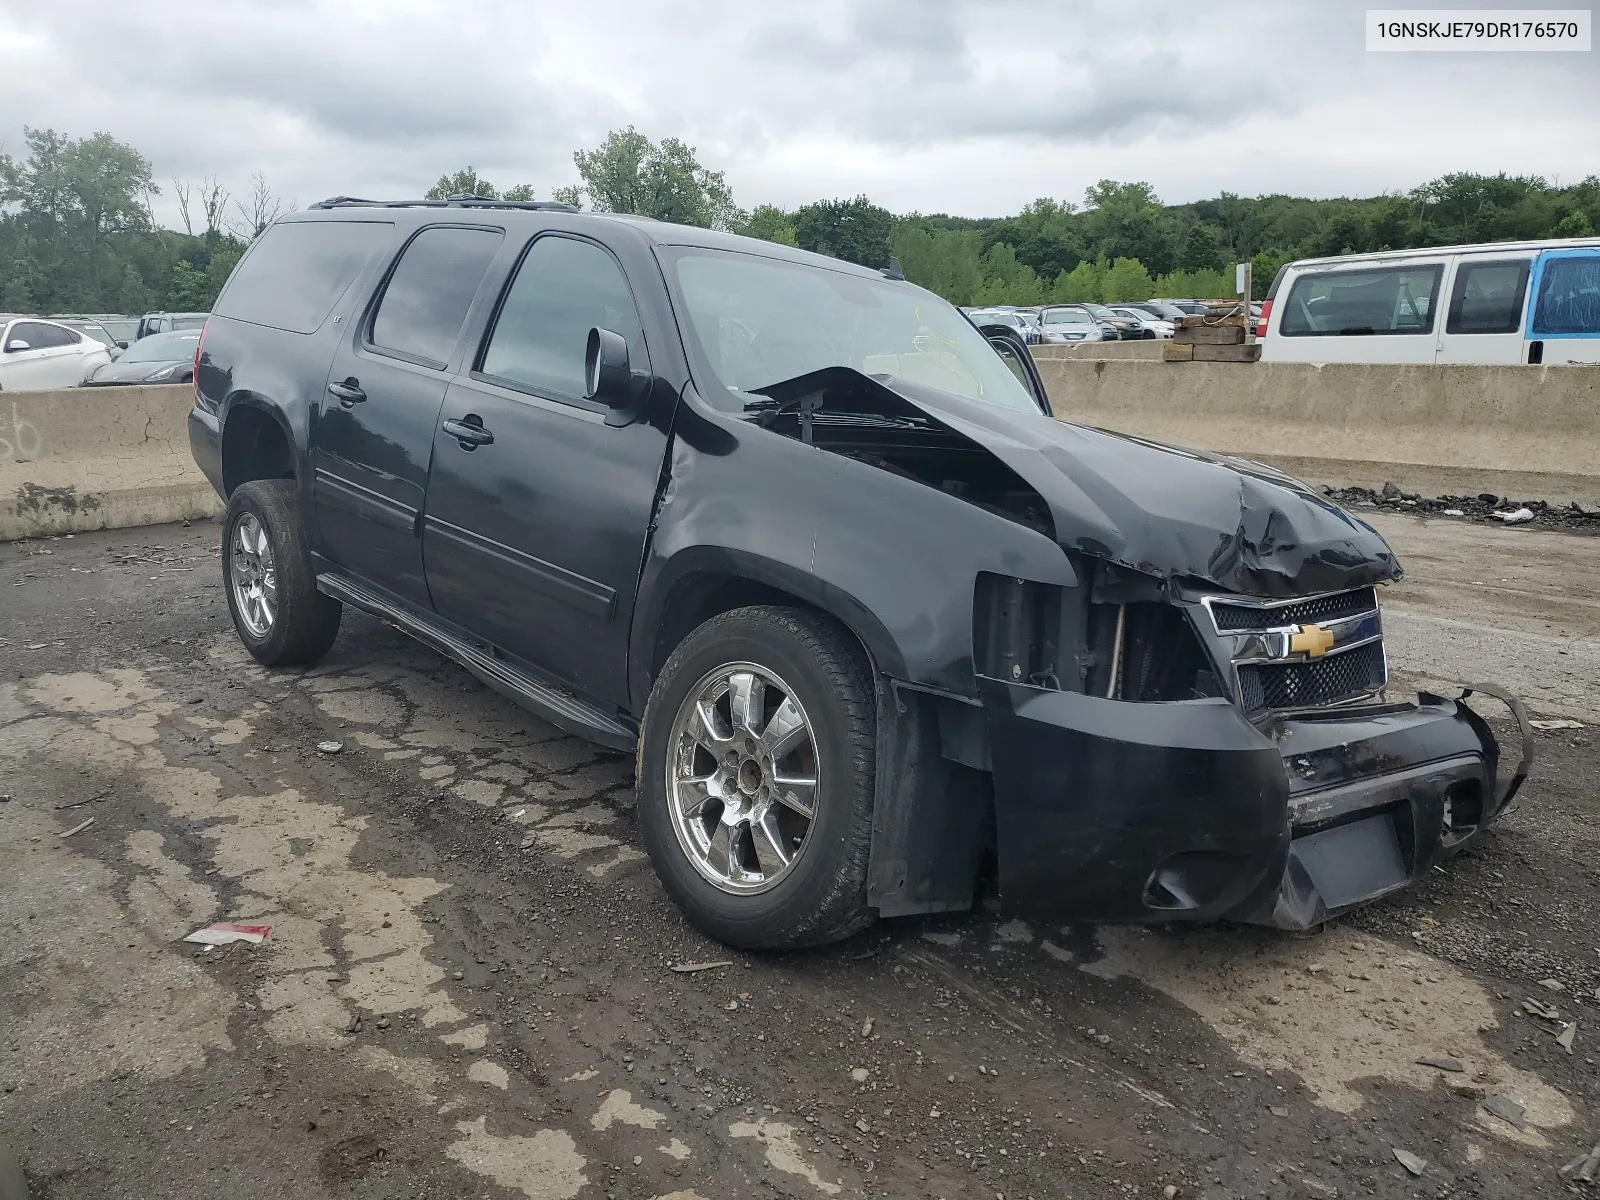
{"x":36,"y":354}
{"x":1162,"y":329}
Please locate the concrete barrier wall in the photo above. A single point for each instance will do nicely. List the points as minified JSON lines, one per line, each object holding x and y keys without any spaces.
{"x":97,"y":458}
{"x":1525,"y":432}
{"x":1143,"y":349}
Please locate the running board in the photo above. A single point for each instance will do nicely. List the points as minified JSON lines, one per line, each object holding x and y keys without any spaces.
{"x":559,"y":707}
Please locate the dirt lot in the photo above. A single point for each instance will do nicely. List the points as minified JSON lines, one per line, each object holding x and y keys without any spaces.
{"x":468,"y":990}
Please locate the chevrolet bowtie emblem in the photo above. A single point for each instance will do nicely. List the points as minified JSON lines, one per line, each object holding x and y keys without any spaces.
{"x":1313,"y":640}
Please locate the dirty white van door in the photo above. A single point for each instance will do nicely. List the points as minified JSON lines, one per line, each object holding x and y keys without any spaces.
{"x":1483,"y":323}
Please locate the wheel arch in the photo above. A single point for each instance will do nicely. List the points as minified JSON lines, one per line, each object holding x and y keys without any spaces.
{"x":257,"y":442}
{"x":703,"y":582}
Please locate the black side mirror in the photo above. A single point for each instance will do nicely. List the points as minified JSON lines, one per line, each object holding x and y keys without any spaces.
{"x":122,"y":345}
{"x":609,"y":377}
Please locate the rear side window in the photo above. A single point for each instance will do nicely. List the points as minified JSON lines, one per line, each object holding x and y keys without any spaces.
{"x":426,"y":299}
{"x":40,"y":336}
{"x":1383,"y":300}
{"x":297,"y":270}
{"x":1488,"y":297}
{"x":563,"y":289}
{"x":1569,"y":296}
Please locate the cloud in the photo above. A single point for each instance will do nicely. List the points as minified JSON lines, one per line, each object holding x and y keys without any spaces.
{"x":972,"y":106}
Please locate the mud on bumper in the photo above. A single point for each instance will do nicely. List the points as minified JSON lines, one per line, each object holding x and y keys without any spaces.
{"x":1112,"y":811}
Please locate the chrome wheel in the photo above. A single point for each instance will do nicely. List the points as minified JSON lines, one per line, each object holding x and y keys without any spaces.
{"x":742,"y":778}
{"x":255,"y":582}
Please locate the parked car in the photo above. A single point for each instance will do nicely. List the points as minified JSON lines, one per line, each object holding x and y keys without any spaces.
{"x":36,"y":353}
{"x":1011,"y":318}
{"x":1160,"y":310}
{"x":1189,"y":308}
{"x":1505,"y":302}
{"x":1076,"y":324}
{"x":165,"y":322}
{"x":94,"y":329}
{"x":1153,"y":326}
{"x":794,"y":535}
{"x":1071,"y":323}
{"x":159,"y":358}
{"x":125,"y":330}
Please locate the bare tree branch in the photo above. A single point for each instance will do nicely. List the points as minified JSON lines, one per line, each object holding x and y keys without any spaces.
{"x":181,"y":190}
{"x":260,"y":210}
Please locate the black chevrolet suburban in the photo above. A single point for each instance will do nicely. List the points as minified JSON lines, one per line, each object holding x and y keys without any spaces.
{"x":877,"y":626}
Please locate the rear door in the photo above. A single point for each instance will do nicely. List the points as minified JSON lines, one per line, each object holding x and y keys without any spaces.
{"x":1374,"y":312}
{"x":1564,"y":317}
{"x":1483,"y":322}
{"x":375,"y":435}
{"x":537,"y":510}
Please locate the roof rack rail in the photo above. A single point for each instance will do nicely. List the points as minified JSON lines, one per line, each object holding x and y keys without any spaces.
{"x":452,"y":202}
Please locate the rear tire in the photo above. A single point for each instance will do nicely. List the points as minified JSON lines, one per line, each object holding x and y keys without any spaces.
{"x":281,"y":617}
{"x":759,"y":715}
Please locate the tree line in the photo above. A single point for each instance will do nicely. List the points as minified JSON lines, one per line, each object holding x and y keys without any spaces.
{"x":78,"y":233}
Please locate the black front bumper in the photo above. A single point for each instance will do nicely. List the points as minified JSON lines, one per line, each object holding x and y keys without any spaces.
{"x":1113,"y":811}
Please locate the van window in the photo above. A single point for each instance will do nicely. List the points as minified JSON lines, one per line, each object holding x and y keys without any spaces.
{"x":1380,"y":300}
{"x":1488,"y":297}
{"x":297,"y":270}
{"x":563,"y":288}
{"x":426,"y":299}
{"x":1569,"y":296}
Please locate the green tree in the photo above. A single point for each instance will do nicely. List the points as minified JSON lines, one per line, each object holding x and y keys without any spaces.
{"x":1574,"y":225}
{"x":770,"y":224}
{"x":1045,"y":235}
{"x":628,"y":173}
{"x":945,"y":261}
{"x":465,"y":182}
{"x":1126,"y":279}
{"x":855,"y":230}
{"x":1202,"y":249}
{"x":1125,"y":220}
{"x":1078,"y":286}
{"x":520,"y":194}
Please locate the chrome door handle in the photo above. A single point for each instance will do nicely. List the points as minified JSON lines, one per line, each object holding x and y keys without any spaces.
{"x":470,"y":433}
{"x":349,"y":392}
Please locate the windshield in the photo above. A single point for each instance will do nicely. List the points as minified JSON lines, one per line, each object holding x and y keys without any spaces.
{"x":1066,"y":316}
{"x":161,"y":347}
{"x":760,"y":321}
{"x":92,"y":330}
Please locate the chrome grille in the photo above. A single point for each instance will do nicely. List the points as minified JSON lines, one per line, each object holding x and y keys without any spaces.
{"x":1237,"y":617}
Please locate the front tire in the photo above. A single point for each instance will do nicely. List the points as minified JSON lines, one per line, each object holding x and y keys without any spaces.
{"x":755,"y":778}
{"x":281,"y":617}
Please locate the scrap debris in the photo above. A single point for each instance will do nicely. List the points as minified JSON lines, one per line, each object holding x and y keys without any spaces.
{"x":1567,"y":1036}
{"x":1442,"y":1062}
{"x":78,"y":828}
{"x":225,"y":933}
{"x":1410,"y":1161}
{"x":1512,"y":1112}
{"x":330,"y":747}
{"x":690,"y":968}
{"x":1555,"y":723}
{"x":1583,"y":1168}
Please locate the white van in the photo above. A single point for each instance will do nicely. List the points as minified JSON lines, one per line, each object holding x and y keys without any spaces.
{"x":1505,"y":302}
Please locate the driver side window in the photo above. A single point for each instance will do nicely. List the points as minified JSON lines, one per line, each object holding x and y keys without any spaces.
{"x":563,"y":288}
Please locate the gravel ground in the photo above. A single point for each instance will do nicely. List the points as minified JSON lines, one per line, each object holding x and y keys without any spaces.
{"x":469,"y":987}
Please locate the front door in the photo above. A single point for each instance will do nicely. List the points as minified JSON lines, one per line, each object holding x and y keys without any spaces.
{"x":375,"y":433}
{"x":537,"y":510}
{"x":1483,"y":323}
{"x":1564,"y":318}
{"x":50,"y":359}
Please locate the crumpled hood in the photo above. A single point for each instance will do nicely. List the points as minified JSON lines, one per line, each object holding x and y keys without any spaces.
{"x":1180,"y":514}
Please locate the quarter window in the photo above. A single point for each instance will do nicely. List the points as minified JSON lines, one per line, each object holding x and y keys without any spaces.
{"x":296,"y":271}
{"x":1569,"y":296}
{"x":1488,"y":297}
{"x":426,"y":299}
{"x":563,"y":289}
{"x":1385,"y":300}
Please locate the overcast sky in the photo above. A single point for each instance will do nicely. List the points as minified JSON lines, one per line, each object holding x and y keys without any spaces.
{"x":924,"y":105}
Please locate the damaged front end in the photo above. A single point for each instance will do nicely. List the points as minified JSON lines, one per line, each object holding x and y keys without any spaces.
{"x":1212,"y":756}
{"x":1199,"y":727}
